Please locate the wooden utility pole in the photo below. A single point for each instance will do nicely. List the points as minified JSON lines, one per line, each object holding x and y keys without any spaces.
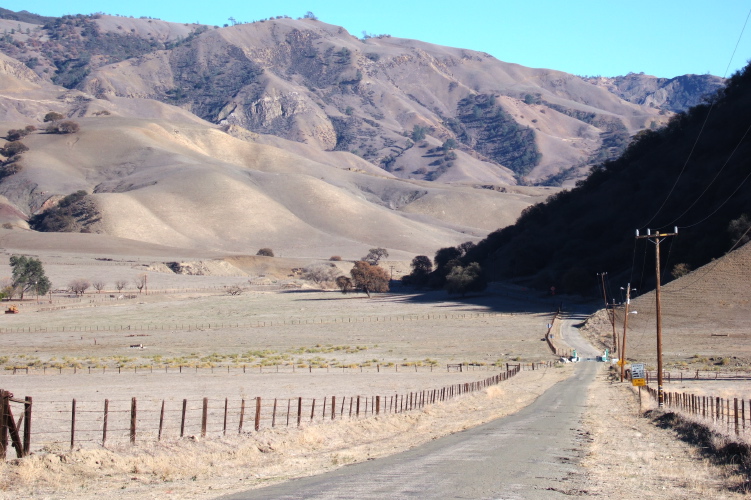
{"x":658,"y":238}
{"x":625,"y":326}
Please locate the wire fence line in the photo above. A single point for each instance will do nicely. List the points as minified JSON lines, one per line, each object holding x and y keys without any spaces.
{"x":78,"y":423}
{"x":283,"y":368}
{"x":728,"y":412}
{"x":189,"y":327}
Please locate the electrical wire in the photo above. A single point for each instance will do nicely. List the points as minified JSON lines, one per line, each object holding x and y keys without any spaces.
{"x":711,"y":268}
{"x":710,"y":184}
{"x":701,"y":130}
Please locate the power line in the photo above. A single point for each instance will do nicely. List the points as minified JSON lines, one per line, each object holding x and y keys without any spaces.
{"x":717,"y":175}
{"x":701,"y":131}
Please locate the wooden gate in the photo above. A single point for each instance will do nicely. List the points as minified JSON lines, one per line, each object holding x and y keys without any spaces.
{"x":10,"y":427}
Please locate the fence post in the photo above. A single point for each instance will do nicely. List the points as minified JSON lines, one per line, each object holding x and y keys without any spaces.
{"x":357,"y":413}
{"x":182,"y":419}
{"x":204,"y":416}
{"x":72,"y":425}
{"x":258,"y":414}
{"x":161,"y":422}
{"x":735,"y":405}
{"x":242,"y":416}
{"x":299,"y":411}
{"x":312,"y":409}
{"x":378,"y":405}
{"x":224,"y":427}
{"x":3,"y":427}
{"x":27,"y":426}
{"x":273,"y":415}
{"x":106,"y":420}
{"x":133,"y":421}
{"x":333,"y":408}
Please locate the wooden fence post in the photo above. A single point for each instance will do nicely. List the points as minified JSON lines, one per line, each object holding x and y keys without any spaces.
{"x":357,"y":412}
{"x":27,"y":426}
{"x":257,"y":425}
{"x":105,"y":421}
{"x":161,"y":422}
{"x":224,"y":426}
{"x":273,"y":415}
{"x":378,"y":405}
{"x":133,"y":421}
{"x":289,"y":405}
{"x":735,"y":405}
{"x":333,"y":408}
{"x":182,"y":419}
{"x":3,"y":427}
{"x":72,"y":424}
{"x":242,"y":416}
{"x":312,"y":409}
{"x":299,"y":411}
{"x":204,"y":416}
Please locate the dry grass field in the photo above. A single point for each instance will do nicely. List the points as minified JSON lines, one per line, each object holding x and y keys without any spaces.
{"x":315,"y":344}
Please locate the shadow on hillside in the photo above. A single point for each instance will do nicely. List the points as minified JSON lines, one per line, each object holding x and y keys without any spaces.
{"x":498,"y":298}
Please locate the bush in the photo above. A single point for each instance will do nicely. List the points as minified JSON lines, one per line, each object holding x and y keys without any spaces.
{"x":66,"y":127}
{"x":320,"y":273}
{"x":335,"y":258}
{"x":52,"y":116}
{"x":265,"y":252}
{"x":465,"y":279}
{"x":13,"y":148}
{"x":344,"y":284}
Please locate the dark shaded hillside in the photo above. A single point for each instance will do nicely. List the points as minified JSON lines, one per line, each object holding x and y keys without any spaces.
{"x":590,"y":229}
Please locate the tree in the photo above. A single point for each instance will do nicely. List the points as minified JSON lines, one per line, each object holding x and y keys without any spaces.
{"x":98,"y":285}
{"x":369,"y":278}
{"x":52,"y":116}
{"x":679,"y":270}
{"x":320,"y":273}
{"x":466,"y":279}
{"x":375,"y":255}
{"x":235,"y":290}
{"x":140,"y":281}
{"x":449,"y":144}
{"x":120,"y":284}
{"x":79,"y":286}
{"x":344,"y":284}
{"x":421,"y":269}
{"x":265,"y":252}
{"x":28,"y":274}
{"x":310,"y":15}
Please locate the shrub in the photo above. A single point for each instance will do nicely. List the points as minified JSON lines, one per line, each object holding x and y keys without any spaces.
{"x":265,"y":252}
{"x":52,"y":116}
{"x":66,"y":127}
{"x":13,"y":148}
{"x":465,"y":279}
{"x":335,"y":258}
{"x":344,"y":284}
{"x":320,"y":273}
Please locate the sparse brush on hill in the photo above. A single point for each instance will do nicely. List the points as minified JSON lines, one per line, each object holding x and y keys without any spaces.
{"x":73,"y":213}
{"x":664,"y":178}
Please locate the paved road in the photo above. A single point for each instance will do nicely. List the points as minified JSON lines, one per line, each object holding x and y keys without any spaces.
{"x":532,"y":454}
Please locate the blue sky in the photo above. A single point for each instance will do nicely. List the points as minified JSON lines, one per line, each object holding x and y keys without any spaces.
{"x":586,"y":37}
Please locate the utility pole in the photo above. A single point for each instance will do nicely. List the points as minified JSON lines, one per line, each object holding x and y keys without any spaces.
{"x":658,"y":238}
{"x":612,"y":312}
{"x":625,"y":326}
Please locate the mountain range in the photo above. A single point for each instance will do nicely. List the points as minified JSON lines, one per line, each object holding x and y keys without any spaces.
{"x":295,"y":134}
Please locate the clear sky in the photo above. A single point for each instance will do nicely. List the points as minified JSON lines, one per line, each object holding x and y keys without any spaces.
{"x":586,"y":37}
